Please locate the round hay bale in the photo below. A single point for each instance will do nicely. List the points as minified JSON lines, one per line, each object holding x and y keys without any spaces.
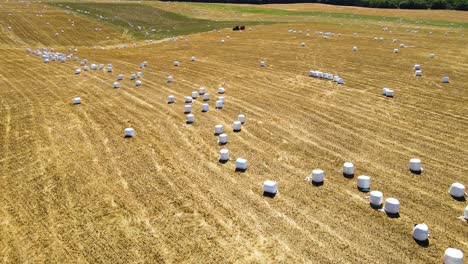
{"x":222,"y":139}
{"x":187,"y":109}
{"x":392,"y":206}
{"x":237,"y":126}
{"x":219,"y":129}
{"x":415,"y":165}
{"x":270,"y":187}
{"x":457,"y":190}
{"x":77,"y":100}
{"x":317,"y":176}
{"x":170,"y":99}
{"x":129,"y":132}
{"x":224,"y":155}
{"x":363,"y":183}
{"x":190,"y":118}
{"x":421,"y":232}
{"x":445,"y":79}
{"x":205,"y":107}
{"x":453,"y":256}
{"x":116,"y":85}
{"x":376,"y":198}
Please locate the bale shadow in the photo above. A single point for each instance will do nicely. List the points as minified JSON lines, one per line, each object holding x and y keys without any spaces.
{"x":128,"y":136}
{"x":240,"y":170}
{"x":365,"y":190}
{"x":348,"y":176}
{"x":222,"y":144}
{"x":416,"y":172}
{"x":188,"y":122}
{"x":423,"y":243}
{"x":170,"y":102}
{"x":317,"y":183}
{"x":223,"y":161}
{"x":460,"y":199}
{"x":236,"y":131}
{"x":269,"y":194}
{"x":375,"y":206}
{"x":393,"y":215}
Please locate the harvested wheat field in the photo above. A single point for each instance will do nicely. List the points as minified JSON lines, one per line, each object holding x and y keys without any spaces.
{"x":73,"y":189}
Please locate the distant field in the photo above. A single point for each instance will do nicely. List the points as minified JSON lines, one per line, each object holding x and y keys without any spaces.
{"x":74,"y":190}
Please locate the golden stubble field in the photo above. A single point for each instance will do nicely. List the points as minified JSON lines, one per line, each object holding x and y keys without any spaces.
{"x":73,"y":189}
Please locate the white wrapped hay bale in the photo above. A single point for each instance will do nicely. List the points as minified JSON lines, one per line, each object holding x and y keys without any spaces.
{"x":396,"y":50}
{"x":363,"y":183}
{"x":431,"y":56}
{"x":109,"y":69}
{"x":241,"y":118}
{"x":303,"y":44}
{"x":348,"y":169}
{"x":417,"y":67}
{"x":77,"y":71}
{"x":354,"y":48}
{"x":94,"y":67}
{"x":139,"y":74}
{"x":224,"y":155}
{"x":340,"y":81}
{"x":116,"y":85}
{"x":237,"y":126}
{"x":46,"y":60}
{"x":187,"y":109}
{"x":202,"y":91}
{"x":205,"y":107}
{"x":133,"y":76}
{"x":190,"y":118}
{"x":392,"y":206}
{"x":262,"y":64}
{"x":402,"y":46}
{"x":193,"y":58}
{"x":194,"y":94}
{"x":120,"y":77}
{"x":317,"y":176}
{"x":421,"y":232}
{"x":415,"y":165}
{"x":222,"y":139}
{"x":389,"y":93}
{"x":176,"y":63}
{"x":170,"y":99}
{"x":170,"y":79}
{"x":86,"y":68}
{"x":129,"y":132}
{"x":138,"y":83}
{"x":418,"y":73}
{"x":219,"y":104}
{"x":222,"y":41}
{"x":206,"y":97}
{"x":221,"y":90}
{"x":241,"y":164}
{"x":445,"y":79}
{"x":457,"y":190}
{"x":77,"y":100}
{"x":270,"y":187}
{"x":376,"y":198}
{"x":221,"y":98}
{"x":466,"y":213}
{"x":188,"y":99}
{"x":219,"y":129}
{"x":453,"y":256}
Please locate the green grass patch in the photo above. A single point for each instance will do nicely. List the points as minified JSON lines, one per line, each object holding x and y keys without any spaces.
{"x":280,"y":12}
{"x":146,"y":22}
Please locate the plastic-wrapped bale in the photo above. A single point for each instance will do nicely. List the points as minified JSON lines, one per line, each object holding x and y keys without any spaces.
{"x":417,"y":67}
{"x":187,"y":109}
{"x":270,"y":187}
{"x":194,"y":94}
{"x":77,"y":71}
{"x":170,"y":99}
{"x":224,"y":155}
{"x":376,"y":199}
{"x":46,"y":60}
{"x":431,"y":56}
{"x":396,"y":50}
{"x":340,"y":81}
{"x":262,"y":64}
{"x":421,"y":232}
{"x":336,"y":78}
{"x":101,"y":66}
{"x":222,"y":139}
{"x":138,"y":83}
{"x":363,"y":183}
{"x":75,"y":58}
{"x":389,"y":92}
{"x":415,"y":166}
{"x":312,"y":73}
{"x":354,"y":48}
{"x":330,"y":76}
{"x":222,"y":41}
{"x":418,"y":73}
{"x":86,"y":68}
{"x":219,"y":104}
{"x":206,"y":97}
{"x":457,"y":190}
{"x":202,"y":91}
{"x":219,"y":129}
{"x":241,"y":164}
{"x":453,"y":256}
{"x":77,"y":100}
{"x":129,"y":132}
{"x":241,"y":118}
{"x":317,"y":176}
{"x":109,"y":69}
{"x":237,"y":126}
{"x":170,"y":79}
{"x":348,"y":169}
{"x":392,"y":206}
{"x":190,"y":118}
{"x":176,"y":63}
{"x":221,"y":90}
{"x":133,"y":76}
{"x":205,"y":107}
{"x":445,"y":79}
{"x":139,"y":74}
{"x":120,"y":77}
{"x":466,"y":213}
{"x":221,"y":98}
{"x":303,"y":44}
{"x":193,"y":58}
{"x":188,"y":99}
{"x":402,"y":45}
{"x":94,"y":67}
{"x":116,"y":85}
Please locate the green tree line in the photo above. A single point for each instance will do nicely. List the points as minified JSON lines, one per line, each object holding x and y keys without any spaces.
{"x":403,"y":4}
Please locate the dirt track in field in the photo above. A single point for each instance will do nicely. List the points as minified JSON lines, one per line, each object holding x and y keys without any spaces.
{"x":73,"y":189}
